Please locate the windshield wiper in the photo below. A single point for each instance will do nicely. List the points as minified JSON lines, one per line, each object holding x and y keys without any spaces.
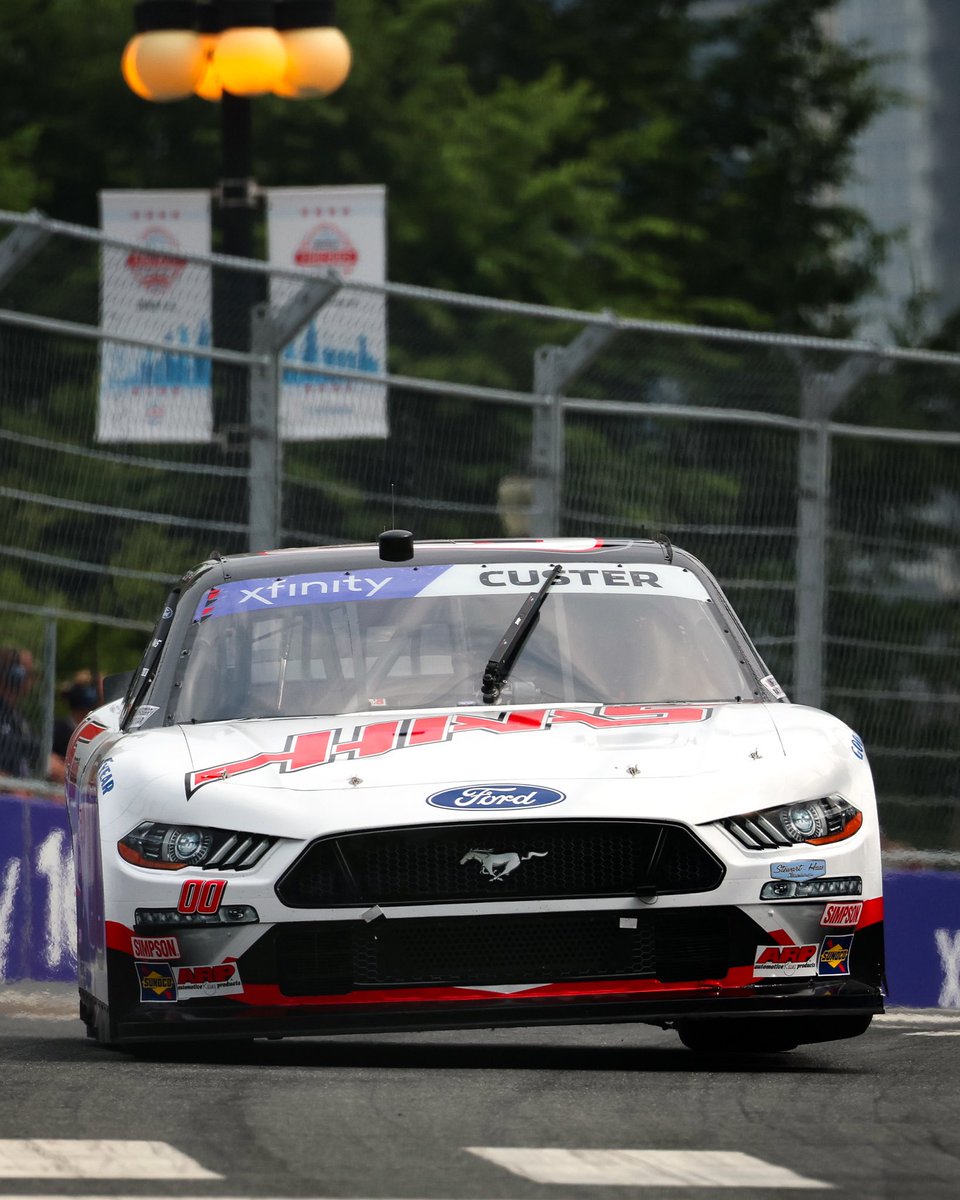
{"x":512,"y":642}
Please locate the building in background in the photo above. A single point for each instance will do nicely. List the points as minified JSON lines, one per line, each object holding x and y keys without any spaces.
{"x":908,"y":160}
{"x":907,"y":169}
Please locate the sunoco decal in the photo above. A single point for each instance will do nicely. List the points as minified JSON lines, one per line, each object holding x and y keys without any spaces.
{"x":835,"y":955}
{"x":157,"y":982}
{"x":316,"y":749}
{"x":498,"y":797}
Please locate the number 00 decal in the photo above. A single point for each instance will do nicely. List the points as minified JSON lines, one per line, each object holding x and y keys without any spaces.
{"x":201,"y":895}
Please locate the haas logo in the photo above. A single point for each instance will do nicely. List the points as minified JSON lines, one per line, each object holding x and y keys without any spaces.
{"x":494,"y":865}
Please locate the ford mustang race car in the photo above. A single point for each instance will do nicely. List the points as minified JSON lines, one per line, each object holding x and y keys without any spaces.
{"x":455,"y":784}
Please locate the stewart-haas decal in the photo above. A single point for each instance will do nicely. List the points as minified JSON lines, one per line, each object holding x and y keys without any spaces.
{"x":317,"y":749}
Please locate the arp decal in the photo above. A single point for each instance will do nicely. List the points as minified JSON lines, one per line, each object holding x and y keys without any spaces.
{"x":497,"y":797}
{"x":778,"y":961}
{"x":841,"y":914}
{"x":157,"y":982}
{"x":218,"y":979}
{"x":155,"y":947}
{"x":316,"y":749}
{"x":201,"y":896}
{"x":835,"y":955}
{"x":806,"y":868}
{"x":856,"y":745}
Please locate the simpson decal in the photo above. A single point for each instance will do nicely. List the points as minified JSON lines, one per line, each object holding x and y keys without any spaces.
{"x":219,"y":979}
{"x":157,"y":982}
{"x":155,"y":947}
{"x":775,"y":962}
{"x":841,"y":914}
{"x":324,"y":746}
{"x":835,"y":955}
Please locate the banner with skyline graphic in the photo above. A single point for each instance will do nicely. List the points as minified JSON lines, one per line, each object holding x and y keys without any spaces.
{"x":152,"y":395}
{"x":340,"y":229}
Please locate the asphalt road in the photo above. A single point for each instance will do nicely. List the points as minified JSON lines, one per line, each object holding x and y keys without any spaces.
{"x":436,"y":1116}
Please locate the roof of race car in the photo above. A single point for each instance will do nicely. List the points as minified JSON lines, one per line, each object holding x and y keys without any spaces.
{"x":270,"y":563}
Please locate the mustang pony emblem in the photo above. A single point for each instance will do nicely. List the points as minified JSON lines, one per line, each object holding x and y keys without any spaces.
{"x":494,"y":865}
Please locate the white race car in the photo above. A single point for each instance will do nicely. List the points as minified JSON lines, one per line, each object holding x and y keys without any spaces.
{"x":460,"y":784}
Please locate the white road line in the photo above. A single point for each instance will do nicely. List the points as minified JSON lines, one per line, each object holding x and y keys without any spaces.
{"x":920,"y":1016}
{"x":81,"y":1158}
{"x":931,"y":1032}
{"x":644,"y":1168}
{"x":37,"y":1005}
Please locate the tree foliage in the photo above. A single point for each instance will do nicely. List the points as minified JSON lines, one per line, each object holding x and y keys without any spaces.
{"x":590,"y":153}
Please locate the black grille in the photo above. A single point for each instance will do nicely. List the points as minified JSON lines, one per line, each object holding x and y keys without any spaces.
{"x":531,"y":859}
{"x":340,"y":956}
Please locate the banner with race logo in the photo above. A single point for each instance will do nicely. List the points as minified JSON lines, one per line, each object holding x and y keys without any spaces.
{"x":153,"y":293}
{"x":343,"y":229}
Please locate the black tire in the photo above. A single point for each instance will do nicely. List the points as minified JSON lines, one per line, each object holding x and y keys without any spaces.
{"x":744,"y":1036}
{"x":767,"y":1035}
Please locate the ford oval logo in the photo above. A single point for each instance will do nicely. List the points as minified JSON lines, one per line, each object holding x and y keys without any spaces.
{"x":497,"y":797}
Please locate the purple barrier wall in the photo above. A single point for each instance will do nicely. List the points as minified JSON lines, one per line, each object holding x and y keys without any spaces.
{"x":922,"y":935}
{"x":38,"y":925}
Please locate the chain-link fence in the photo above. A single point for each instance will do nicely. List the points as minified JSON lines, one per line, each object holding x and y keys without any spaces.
{"x":817,"y":479}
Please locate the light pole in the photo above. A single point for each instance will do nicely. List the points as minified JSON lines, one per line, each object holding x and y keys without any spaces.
{"x":231,"y":51}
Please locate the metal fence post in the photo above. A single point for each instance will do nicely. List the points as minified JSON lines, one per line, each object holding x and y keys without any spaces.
{"x":546,"y":450}
{"x":270,"y":332}
{"x":49,"y":693}
{"x":554,"y":369}
{"x":813,"y":483}
{"x":821,"y":393}
{"x":264,"y":476}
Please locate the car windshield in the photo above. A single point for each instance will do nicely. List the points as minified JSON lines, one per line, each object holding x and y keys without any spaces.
{"x":420,"y":637}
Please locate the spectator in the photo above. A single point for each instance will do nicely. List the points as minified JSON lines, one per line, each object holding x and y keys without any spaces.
{"x":19,"y":745}
{"x":81,"y":694}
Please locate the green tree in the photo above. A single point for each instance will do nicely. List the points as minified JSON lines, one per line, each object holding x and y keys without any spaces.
{"x":590,"y":153}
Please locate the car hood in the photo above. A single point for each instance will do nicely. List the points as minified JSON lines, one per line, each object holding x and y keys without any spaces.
{"x":300,"y":776}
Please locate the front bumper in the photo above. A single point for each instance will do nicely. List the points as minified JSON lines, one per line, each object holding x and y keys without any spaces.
{"x":326,"y":977}
{"x":203,"y":1019}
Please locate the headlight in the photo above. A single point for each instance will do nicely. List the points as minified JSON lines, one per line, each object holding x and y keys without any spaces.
{"x":814,"y":822}
{"x":173,"y":847}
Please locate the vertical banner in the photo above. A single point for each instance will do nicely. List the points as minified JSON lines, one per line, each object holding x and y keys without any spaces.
{"x":339,"y":228}
{"x":151,"y":395}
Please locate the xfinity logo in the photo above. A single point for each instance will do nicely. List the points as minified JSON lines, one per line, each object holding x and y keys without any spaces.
{"x":499,"y":796}
{"x":283,"y":589}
